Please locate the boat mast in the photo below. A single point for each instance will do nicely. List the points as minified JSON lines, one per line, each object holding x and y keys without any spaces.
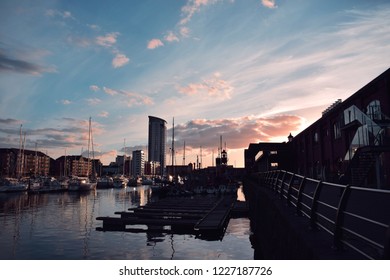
{"x":173,"y":146}
{"x":184,"y":153}
{"x":89,"y":143}
{"x":124,"y":156}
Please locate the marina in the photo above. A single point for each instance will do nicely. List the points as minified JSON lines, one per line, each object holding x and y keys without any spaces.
{"x":64,"y":225}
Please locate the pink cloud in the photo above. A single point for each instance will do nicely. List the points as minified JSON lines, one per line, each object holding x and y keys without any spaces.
{"x":192,"y":7}
{"x":94,"y":88}
{"x":120,"y":60}
{"x":212,"y":87}
{"x":108,"y":40}
{"x":269,"y":4}
{"x":155,"y":43}
{"x":171,"y":37}
{"x":238,"y":133}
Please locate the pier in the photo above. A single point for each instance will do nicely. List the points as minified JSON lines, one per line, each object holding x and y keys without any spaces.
{"x":204,"y":216}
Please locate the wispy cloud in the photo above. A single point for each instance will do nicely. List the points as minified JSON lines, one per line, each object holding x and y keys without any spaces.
{"x":192,"y":7}
{"x":104,"y":114}
{"x":61,"y":14}
{"x":130,"y":98}
{"x":10,"y":64}
{"x":212,"y":87}
{"x":71,"y":133}
{"x":171,"y":37}
{"x":65,"y":101}
{"x":108,"y":40}
{"x":269,"y":4}
{"x":10,"y":121}
{"x":93,"y":101}
{"x":94,"y":88}
{"x":155,"y":43}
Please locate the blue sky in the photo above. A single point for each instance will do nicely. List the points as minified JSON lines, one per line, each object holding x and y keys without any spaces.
{"x":251,"y":71}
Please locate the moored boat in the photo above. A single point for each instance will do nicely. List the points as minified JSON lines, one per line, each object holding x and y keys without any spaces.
{"x":13,"y":185}
{"x":81,"y":184}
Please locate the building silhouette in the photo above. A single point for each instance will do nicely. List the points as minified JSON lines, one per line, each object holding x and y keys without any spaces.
{"x":349,"y":144}
{"x":157,"y":143}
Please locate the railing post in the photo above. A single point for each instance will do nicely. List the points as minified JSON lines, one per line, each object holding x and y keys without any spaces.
{"x":386,"y":251}
{"x":299,"y":198}
{"x":338,"y":233}
{"x":289,"y":189}
{"x":281,"y":185}
{"x":313,"y":210}
{"x":275,"y":182}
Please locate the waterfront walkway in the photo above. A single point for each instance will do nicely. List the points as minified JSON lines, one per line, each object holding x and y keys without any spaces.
{"x":295,"y":217}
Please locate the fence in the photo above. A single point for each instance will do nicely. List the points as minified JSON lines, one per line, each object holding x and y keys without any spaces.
{"x":356,"y":217}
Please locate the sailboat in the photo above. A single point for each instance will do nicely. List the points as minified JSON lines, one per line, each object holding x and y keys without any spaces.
{"x":84,"y":183}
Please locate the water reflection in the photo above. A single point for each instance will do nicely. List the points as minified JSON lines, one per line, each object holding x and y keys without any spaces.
{"x":63,"y":226}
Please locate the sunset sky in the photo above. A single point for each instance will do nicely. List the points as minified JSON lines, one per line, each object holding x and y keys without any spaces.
{"x":249,"y":70}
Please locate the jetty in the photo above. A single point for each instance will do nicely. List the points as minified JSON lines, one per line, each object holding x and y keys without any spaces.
{"x":204,"y":216}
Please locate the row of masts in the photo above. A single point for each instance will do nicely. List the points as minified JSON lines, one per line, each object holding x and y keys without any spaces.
{"x":222,"y":154}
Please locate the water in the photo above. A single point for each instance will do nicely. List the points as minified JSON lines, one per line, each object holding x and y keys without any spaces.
{"x":63,"y":226}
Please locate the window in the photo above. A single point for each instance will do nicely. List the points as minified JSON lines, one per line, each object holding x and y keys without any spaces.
{"x":316,"y":137}
{"x":336,"y":130}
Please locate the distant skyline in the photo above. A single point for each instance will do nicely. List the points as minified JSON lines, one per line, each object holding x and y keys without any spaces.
{"x":250,"y":71}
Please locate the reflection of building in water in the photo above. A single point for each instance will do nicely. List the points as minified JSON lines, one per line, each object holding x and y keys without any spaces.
{"x":144,"y":194}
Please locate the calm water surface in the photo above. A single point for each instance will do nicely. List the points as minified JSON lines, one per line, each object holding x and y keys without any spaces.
{"x":63,"y":226}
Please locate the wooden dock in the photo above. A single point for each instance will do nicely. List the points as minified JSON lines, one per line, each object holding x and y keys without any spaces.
{"x":205,"y":216}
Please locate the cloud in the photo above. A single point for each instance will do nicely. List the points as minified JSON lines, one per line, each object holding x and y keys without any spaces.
{"x":67,"y":133}
{"x":56,"y":13}
{"x":237,"y":132}
{"x":8,"y":64}
{"x":10,"y":121}
{"x":171,"y":37}
{"x":131,"y":98}
{"x":65,"y":101}
{"x":93,"y":101}
{"x":155,"y":43}
{"x":109,"y":40}
{"x":94,"y":88}
{"x":120,"y":60}
{"x":192,"y":7}
{"x":104,"y":114}
{"x":94,"y":26}
{"x":212,"y":87}
{"x":269,"y":4}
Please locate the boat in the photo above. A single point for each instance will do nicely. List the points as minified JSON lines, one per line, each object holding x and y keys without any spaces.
{"x":81,"y":184}
{"x":13,"y":185}
{"x":78,"y":183}
{"x":105,"y":182}
{"x":45,"y":184}
{"x":120,"y":182}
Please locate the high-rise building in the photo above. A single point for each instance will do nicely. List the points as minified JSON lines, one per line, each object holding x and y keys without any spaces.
{"x":138,"y":163}
{"x":157,"y":142}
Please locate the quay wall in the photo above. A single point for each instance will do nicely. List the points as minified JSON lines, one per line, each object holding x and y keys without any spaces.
{"x":280,"y":234}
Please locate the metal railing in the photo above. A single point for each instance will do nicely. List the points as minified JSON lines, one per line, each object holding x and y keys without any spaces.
{"x":355,"y":217}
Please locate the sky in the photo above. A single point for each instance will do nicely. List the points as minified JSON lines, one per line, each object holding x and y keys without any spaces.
{"x":250,"y":71}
